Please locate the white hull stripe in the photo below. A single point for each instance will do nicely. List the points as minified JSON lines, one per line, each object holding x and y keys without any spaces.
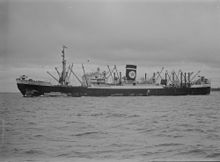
{"x":127,"y":87}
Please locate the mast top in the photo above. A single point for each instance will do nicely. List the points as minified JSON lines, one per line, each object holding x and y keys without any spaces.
{"x":63,"y":52}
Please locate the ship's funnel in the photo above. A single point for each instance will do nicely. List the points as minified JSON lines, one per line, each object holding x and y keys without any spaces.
{"x":131,"y":72}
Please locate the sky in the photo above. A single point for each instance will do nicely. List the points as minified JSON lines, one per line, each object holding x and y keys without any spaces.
{"x":174,"y":34}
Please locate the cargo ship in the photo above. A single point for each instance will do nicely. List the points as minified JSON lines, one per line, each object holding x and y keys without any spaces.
{"x":112,"y":83}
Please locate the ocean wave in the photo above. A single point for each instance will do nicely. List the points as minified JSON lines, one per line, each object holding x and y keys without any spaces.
{"x":195,"y":130}
{"x":133,"y":116}
{"x":73,"y":122}
{"x":168,"y":144}
{"x":151,"y":127}
{"x":34,"y":152}
{"x":38,"y":135}
{"x":116,"y":115}
{"x":214,"y":155}
{"x":195,"y":152}
{"x":86,"y":133}
{"x":97,"y":114}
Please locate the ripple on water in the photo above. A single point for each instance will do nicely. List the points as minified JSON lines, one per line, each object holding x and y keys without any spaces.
{"x":173,"y":127}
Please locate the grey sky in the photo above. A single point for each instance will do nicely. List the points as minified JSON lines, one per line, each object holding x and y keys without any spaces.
{"x":143,"y":32}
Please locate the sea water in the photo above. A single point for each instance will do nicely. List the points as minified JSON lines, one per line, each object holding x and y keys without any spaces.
{"x":109,"y":128}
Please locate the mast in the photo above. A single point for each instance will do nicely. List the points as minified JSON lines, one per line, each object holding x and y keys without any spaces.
{"x":63,"y":74}
{"x":85,"y":75}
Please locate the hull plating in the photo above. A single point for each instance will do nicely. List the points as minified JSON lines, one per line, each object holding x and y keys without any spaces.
{"x":37,"y":90}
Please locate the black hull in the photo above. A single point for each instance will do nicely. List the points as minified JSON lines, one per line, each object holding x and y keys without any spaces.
{"x":148,"y":92}
{"x":77,"y":91}
{"x":37,"y":90}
